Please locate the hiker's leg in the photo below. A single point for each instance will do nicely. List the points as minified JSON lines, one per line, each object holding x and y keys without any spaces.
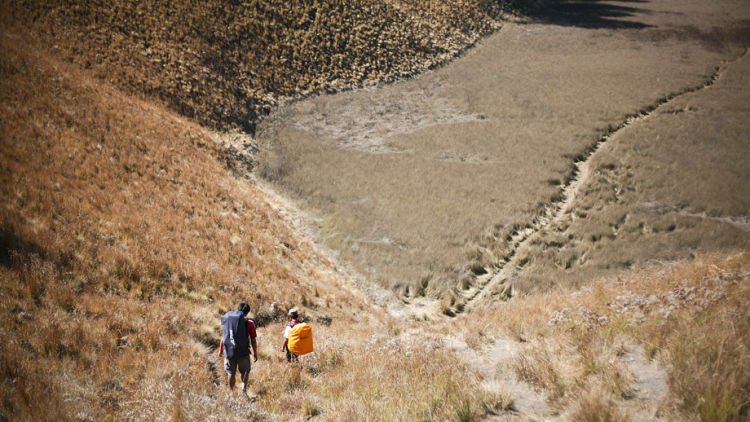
{"x":230,"y":367}
{"x":244,"y":367}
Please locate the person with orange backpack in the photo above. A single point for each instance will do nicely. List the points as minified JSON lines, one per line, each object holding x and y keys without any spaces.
{"x":294,"y":315}
{"x":298,"y":337}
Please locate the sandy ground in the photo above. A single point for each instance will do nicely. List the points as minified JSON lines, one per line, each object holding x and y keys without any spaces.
{"x":412,"y":183}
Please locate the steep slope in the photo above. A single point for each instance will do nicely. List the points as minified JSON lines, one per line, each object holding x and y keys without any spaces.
{"x":123,"y":236}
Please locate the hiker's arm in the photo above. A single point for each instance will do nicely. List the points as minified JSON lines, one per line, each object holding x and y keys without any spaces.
{"x":255,"y":349}
{"x":221,"y":348}
{"x":283,"y":348}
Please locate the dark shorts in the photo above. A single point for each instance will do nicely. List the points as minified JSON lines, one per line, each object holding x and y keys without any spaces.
{"x":231,"y":365}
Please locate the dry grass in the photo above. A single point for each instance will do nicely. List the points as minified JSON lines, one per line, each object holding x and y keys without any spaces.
{"x":227,"y":64}
{"x":692,"y":319}
{"x":118,"y":221}
{"x":361,"y":373}
{"x":123,"y":237}
{"x":132,"y":199}
{"x":595,"y":408}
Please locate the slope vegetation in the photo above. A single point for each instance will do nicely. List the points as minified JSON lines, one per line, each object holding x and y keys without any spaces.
{"x":124,"y":237}
{"x":429,"y":186}
{"x":226,"y":64}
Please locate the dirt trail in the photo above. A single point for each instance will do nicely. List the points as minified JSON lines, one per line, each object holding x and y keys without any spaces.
{"x":426,"y":186}
{"x":668,"y":185}
{"x":524,"y":164}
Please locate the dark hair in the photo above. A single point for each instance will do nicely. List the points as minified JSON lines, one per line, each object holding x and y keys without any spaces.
{"x":244,"y":307}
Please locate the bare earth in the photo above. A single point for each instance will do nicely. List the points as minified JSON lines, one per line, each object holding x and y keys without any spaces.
{"x":474,"y":165}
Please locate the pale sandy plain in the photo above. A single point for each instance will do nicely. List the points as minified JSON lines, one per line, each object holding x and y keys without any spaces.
{"x":581,"y":141}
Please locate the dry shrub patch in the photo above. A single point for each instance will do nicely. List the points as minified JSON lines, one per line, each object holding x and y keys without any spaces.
{"x":401,"y":384}
{"x":364,"y":374}
{"x":597,"y":408}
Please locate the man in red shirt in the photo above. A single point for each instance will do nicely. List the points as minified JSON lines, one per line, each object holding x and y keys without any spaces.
{"x":238,"y":356}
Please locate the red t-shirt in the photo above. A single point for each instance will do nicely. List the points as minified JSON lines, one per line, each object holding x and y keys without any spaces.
{"x":251,"y":328}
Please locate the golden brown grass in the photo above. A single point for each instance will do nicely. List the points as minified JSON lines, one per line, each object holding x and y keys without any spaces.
{"x":117,"y":222}
{"x":123,"y":237}
{"x":367,"y":375}
{"x":132,"y":198}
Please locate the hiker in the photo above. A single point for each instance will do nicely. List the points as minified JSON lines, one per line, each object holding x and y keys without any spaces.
{"x":237,"y":335}
{"x":294,"y":315}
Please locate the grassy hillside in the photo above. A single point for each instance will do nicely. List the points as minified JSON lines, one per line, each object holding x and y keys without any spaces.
{"x":226,"y":64}
{"x":123,"y":237}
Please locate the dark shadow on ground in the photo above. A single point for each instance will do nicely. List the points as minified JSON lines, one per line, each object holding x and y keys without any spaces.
{"x":593,"y":14}
{"x":725,"y":38}
{"x":11,"y":243}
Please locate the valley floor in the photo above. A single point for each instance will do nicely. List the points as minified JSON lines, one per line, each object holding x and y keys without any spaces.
{"x":598,"y":138}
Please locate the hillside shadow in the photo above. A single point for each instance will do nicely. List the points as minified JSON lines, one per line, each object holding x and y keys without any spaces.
{"x":592,"y":14}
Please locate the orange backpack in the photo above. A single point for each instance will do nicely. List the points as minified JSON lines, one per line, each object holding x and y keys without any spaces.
{"x":301,"y":339}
